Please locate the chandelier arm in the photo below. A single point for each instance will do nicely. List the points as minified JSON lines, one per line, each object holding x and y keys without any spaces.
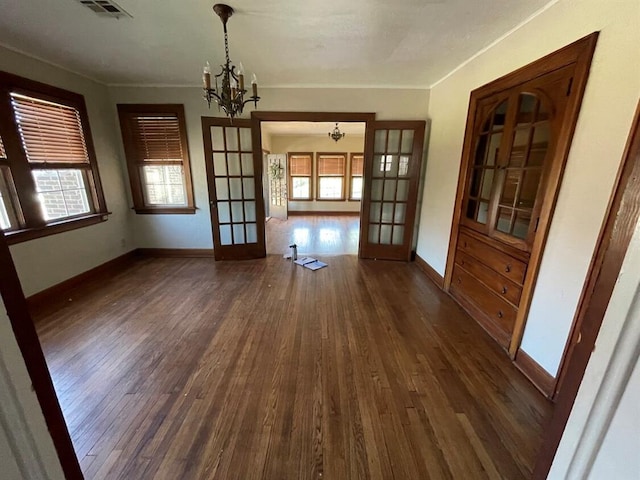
{"x":251,"y":99}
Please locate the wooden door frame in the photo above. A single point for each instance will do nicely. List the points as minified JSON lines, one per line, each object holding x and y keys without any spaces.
{"x":615,"y":235}
{"x":257,"y":117}
{"x":31,"y":350}
{"x":579,"y":52}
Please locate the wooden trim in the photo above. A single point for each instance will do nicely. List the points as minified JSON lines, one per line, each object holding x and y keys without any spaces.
{"x":175,"y":252}
{"x":584,"y":50}
{"x":27,"y":339}
{"x":615,"y":235}
{"x":56,"y":294}
{"x":430,"y":272}
{"x":540,"y":378}
{"x":166,"y":210}
{"x":126,"y":112}
{"x":293,"y":213}
{"x":262,"y":116}
{"x":18,"y":236}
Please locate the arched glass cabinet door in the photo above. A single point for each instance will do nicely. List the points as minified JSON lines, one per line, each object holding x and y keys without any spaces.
{"x":513,"y":144}
{"x":522,"y":169}
{"x":484,"y":165}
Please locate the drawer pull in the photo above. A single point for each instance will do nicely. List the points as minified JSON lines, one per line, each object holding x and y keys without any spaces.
{"x":504,"y":290}
{"x":507,"y":268}
{"x":500,"y":314}
{"x":462,"y":262}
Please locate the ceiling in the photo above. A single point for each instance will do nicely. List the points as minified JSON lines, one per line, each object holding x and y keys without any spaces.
{"x":311,"y":128}
{"x":404,"y":43}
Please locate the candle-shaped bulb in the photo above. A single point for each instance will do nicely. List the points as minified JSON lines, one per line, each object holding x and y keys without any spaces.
{"x":206,"y":76}
{"x":241,"y":76}
{"x":254,"y":85}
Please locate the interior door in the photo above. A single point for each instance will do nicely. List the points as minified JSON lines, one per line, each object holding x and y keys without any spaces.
{"x":233,"y":173}
{"x":393,"y":157}
{"x":278,"y":185}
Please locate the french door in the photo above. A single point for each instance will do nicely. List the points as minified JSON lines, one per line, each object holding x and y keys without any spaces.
{"x":234,"y":176}
{"x":393,"y":152}
{"x":278,"y":186}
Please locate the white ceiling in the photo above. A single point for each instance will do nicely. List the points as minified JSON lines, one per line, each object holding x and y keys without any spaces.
{"x":311,"y":128}
{"x":404,"y":43}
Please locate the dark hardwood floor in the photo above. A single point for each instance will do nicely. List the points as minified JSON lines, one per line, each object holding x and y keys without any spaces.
{"x":191,"y":369}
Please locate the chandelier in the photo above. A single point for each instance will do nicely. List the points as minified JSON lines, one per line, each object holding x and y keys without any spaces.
{"x":229,"y":92}
{"x":336,"y":134}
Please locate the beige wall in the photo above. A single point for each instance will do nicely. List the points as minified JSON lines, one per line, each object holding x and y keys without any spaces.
{"x":46,"y":261}
{"x":318,"y":144}
{"x":194,"y":231}
{"x":602,"y":129}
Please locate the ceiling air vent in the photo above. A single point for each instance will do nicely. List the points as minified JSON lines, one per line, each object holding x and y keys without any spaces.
{"x":105,"y":8}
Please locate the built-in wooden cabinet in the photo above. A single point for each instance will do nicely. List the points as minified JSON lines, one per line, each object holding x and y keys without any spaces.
{"x":488,"y":277}
{"x":518,"y":135}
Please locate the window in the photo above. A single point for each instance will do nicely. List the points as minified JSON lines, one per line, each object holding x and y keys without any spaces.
{"x":331,"y":173}
{"x":155,"y":144}
{"x":300,"y":176}
{"x":355,"y":187}
{"x":49,"y":178}
{"x":8,"y":211}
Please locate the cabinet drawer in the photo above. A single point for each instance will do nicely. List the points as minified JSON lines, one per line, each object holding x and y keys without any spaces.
{"x":500,"y":262}
{"x":497,"y":283}
{"x":497,"y":311}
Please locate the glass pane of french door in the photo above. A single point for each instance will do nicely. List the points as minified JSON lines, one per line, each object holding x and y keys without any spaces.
{"x":237,"y":210}
{"x":393,"y":160}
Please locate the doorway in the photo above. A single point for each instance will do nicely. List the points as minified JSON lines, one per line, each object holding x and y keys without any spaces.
{"x":314,"y":186}
{"x":391,"y":168}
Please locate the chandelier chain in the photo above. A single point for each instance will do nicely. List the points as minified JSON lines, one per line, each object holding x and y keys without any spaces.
{"x":226,"y":44}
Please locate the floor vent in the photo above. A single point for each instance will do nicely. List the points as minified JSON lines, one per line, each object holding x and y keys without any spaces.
{"x":105,"y":8}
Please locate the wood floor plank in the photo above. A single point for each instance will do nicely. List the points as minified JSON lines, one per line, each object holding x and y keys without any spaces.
{"x":187,"y":368}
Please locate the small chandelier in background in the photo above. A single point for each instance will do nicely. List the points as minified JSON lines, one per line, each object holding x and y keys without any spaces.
{"x":230,"y":94}
{"x":336,"y":134}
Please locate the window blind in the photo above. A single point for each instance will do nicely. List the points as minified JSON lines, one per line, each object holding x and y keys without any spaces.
{"x":50,"y":132}
{"x":157,"y":138}
{"x":357,"y":163}
{"x":3,"y":154}
{"x":331,"y":165}
{"x":300,"y":165}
